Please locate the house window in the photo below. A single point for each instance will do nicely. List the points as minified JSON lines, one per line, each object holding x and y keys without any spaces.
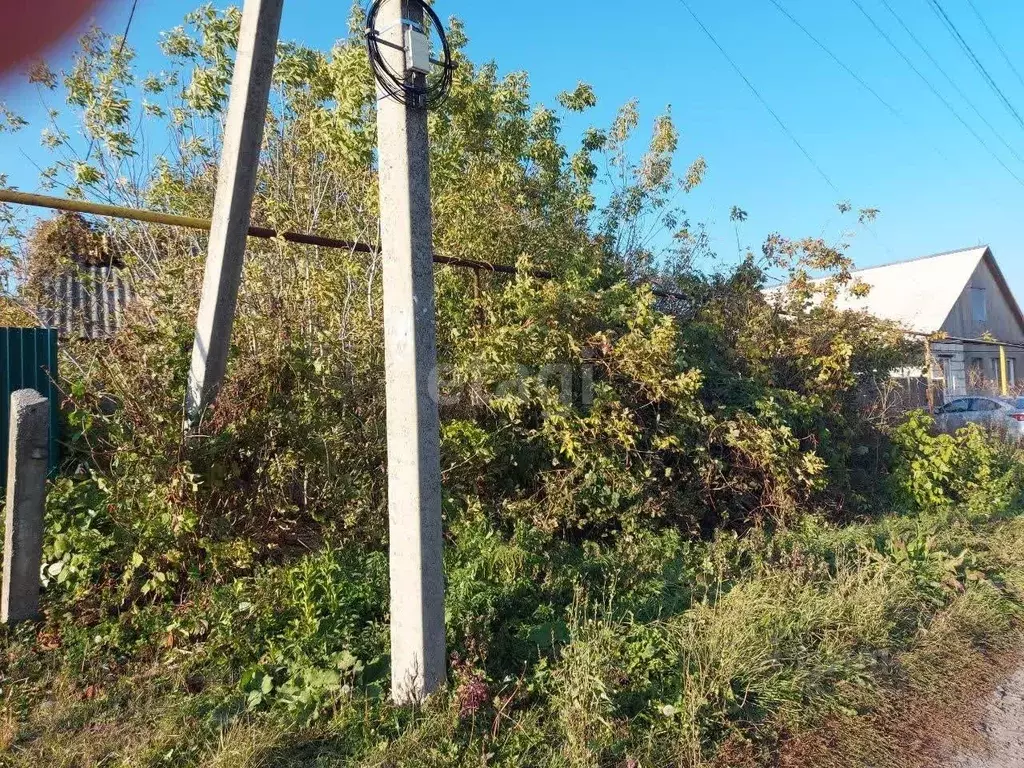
{"x":976,"y":373}
{"x":979,"y":308}
{"x":948,"y":375}
{"x":1011,"y":371}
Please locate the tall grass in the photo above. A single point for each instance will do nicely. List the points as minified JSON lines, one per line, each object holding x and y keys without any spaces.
{"x":761,"y":645}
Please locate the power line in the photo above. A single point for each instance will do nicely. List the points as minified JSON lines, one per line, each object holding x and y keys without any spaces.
{"x":757,"y":94}
{"x":889,"y":107}
{"x":836,"y":59}
{"x":944,"y":17}
{"x":127,"y":27}
{"x":992,"y":37}
{"x":120,"y":50}
{"x":934,"y":90}
{"x":775,"y":115}
{"x":950,"y":80}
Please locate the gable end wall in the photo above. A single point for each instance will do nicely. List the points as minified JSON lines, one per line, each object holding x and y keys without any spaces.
{"x":1002,"y":322}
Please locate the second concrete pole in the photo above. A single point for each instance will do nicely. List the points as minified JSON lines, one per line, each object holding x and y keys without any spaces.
{"x":236,"y":184}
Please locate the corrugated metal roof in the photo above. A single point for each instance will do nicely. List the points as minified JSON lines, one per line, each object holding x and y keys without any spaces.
{"x":86,"y":303}
{"x":919,"y":294}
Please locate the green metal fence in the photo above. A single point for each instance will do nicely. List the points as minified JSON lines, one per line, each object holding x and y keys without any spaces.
{"x":28,"y":360}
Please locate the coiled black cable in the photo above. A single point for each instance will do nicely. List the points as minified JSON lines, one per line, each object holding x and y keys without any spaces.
{"x":427,"y":91}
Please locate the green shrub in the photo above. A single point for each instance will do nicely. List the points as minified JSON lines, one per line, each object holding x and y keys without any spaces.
{"x":971,"y":467}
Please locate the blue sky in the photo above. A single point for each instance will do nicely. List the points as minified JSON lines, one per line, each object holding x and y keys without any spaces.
{"x":937,"y":187}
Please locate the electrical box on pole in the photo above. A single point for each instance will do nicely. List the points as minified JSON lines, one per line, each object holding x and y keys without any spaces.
{"x":417,"y":52}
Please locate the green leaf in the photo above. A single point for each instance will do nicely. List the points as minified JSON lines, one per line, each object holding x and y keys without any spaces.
{"x":550,"y":634}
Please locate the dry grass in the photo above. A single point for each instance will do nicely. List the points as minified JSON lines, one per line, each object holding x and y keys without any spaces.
{"x":949,"y":674}
{"x":140,"y":719}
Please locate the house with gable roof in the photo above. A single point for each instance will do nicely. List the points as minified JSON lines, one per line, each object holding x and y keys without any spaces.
{"x":961,"y":298}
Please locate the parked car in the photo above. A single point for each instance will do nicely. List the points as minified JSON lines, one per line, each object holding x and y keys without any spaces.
{"x":1005,"y":414}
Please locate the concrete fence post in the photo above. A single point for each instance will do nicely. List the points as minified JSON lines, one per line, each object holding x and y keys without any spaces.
{"x":27,"y":464}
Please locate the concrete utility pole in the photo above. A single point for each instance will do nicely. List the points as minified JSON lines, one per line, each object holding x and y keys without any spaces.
{"x":236,"y":183}
{"x":27,"y":464}
{"x":414,"y":466}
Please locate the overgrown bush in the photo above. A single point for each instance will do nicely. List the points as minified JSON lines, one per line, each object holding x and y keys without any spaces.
{"x":582,"y":406}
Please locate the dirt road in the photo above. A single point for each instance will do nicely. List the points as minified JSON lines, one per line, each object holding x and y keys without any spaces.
{"x":1002,"y":729}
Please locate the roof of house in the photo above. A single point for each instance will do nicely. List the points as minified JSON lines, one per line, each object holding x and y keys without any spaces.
{"x":920,"y":293}
{"x":87,"y":302}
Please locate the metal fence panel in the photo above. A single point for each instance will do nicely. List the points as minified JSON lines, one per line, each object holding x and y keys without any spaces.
{"x":28,"y":360}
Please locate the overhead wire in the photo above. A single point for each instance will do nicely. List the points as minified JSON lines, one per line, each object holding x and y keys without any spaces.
{"x":951,"y":27}
{"x":895,"y":112}
{"x":949,"y":79}
{"x":785,"y":129}
{"x":995,"y":41}
{"x":885,"y":36}
{"x":764,"y":102}
{"x":120,"y":50}
{"x":899,"y":115}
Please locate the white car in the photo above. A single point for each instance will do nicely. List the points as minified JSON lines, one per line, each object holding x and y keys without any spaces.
{"x":1005,"y":414}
